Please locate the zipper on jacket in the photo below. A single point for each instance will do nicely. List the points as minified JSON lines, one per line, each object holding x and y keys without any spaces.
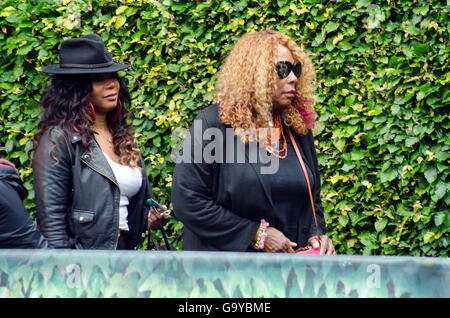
{"x":118,"y":219}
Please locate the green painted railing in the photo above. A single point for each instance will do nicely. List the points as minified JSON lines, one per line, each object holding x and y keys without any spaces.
{"x":74,"y":273}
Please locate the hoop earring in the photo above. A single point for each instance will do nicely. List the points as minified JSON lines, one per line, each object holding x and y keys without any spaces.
{"x":116,"y":116}
{"x":91,"y":107}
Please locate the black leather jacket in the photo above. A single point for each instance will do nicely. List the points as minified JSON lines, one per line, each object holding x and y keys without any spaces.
{"x":77,"y":195}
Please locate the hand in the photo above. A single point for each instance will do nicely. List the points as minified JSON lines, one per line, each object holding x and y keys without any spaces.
{"x":276,"y":242}
{"x":326,"y":245}
{"x":157,"y":221}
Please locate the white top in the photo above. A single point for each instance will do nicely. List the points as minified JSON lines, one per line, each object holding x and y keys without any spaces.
{"x":130,"y":181}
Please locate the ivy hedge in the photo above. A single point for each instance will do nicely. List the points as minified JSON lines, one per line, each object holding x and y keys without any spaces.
{"x":383,"y":79}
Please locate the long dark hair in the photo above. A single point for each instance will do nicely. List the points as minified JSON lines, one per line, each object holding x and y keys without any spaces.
{"x":65,"y":104}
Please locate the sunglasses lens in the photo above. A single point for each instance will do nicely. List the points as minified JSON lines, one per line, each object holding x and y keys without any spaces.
{"x":298,"y":69}
{"x":283,"y":69}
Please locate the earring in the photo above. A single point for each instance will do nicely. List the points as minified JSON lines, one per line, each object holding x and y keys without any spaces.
{"x":91,"y":108}
{"x":115,"y":117}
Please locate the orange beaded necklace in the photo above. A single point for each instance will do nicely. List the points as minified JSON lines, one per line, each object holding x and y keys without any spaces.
{"x":279,"y":153}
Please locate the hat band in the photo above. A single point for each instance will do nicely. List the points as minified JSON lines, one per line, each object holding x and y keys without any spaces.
{"x":87,"y":65}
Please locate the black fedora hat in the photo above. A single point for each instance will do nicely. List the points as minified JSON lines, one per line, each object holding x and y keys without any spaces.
{"x":84,"y":55}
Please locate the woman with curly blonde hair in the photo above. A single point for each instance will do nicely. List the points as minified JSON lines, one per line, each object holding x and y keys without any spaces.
{"x":246,"y":84}
{"x":89,"y":178}
{"x":265,"y":89}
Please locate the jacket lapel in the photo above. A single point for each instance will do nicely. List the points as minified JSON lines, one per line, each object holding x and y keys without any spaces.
{"x":95,"y":159}
{"x":263,"y":178}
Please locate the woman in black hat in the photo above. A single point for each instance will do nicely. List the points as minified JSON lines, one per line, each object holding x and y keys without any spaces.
{"x":90,"y":181}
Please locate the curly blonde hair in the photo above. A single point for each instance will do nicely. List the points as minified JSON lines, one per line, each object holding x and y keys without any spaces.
{"x":247,"y":81}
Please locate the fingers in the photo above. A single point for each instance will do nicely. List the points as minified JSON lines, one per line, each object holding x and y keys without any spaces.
{"x":276,"y":242}
{"x":159,"y":214}
{"x":323,"y":245}
{"x":330,"y":248}
{"x":326,"y":244}
{"x":314,"y":242}
{"x":163,"y":211}
{"x":155,"y":220}
{"x":291,"y":247}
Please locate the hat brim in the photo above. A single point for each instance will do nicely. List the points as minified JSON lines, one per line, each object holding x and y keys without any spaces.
{"x":57,"y":69}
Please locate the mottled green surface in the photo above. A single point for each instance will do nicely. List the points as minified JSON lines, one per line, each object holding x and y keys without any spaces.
{"x":67,"y":273}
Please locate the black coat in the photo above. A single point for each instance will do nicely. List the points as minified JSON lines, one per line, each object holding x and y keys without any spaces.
{"x":221,"y":204}
{"x":17,"y":229}
{"x":77,"y":198}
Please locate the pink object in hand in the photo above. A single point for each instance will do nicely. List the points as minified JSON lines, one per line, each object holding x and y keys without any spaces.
{"x":309,"y":251}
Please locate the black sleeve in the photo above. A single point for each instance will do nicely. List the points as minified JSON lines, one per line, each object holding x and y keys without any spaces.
{"x":52,"y":169}
{"x":17,"y":229}
{"x":193,"y":201}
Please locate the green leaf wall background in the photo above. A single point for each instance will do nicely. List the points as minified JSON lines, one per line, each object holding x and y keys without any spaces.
{"x":383,"y":78}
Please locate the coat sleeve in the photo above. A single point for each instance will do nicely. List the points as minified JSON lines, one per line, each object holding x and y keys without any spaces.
{"x":316,"y":193}
{"x":193,"y":199}
{"x":52,"y":170}
{"x":17,"y":229}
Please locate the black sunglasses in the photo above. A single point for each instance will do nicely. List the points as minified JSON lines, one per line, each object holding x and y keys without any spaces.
{"x":284,"y":68}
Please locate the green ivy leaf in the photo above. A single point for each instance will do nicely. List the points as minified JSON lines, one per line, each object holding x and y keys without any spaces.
{"x":343,"y":220}
{"x":358,"y":155}
{"x":430,"y":174}
{"x":428,"y":235}
{"x":330,"y":26}
{"x":439,"y":218}
{"x":121,"y":10}
{"x":388,"y":176}
{"x":411,"y":141}
{"x":120,"y":21}
{"x":368,"y":239}
{"x":440,"y":191}
{"x":380,"y":224}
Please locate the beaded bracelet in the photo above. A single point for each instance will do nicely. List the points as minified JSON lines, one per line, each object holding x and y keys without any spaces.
{"x":258,"y":236}
{"x":261,"y":235}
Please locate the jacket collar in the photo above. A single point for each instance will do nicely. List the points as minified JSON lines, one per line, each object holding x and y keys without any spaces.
{"x":75,"y":137}
{"x":95,"y":159}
